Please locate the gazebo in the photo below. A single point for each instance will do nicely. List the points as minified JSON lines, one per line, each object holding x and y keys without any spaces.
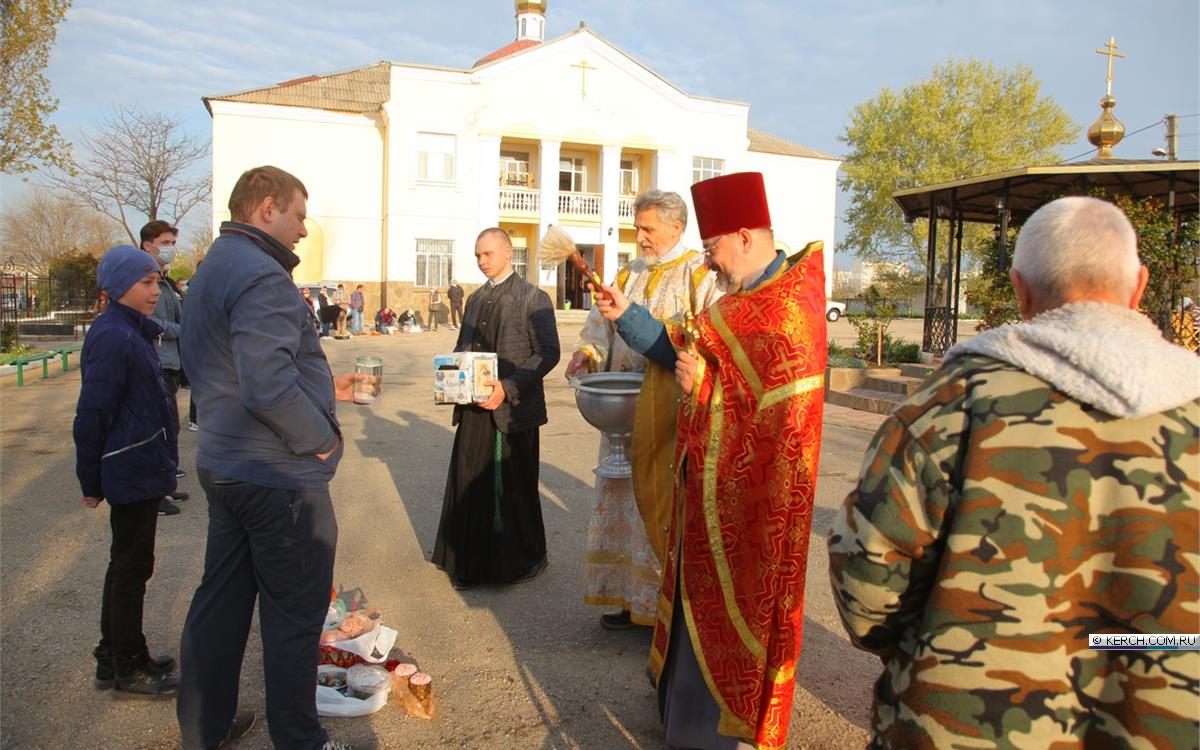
{"x":1010,"y":197}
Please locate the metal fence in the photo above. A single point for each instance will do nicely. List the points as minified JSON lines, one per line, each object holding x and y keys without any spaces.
{"x":44,"y":306}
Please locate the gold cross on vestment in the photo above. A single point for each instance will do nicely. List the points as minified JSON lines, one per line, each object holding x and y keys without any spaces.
{"x":583,"y":69}
{"x":1110,"y":49}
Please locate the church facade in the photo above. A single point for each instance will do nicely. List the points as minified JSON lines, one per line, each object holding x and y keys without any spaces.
{"x":405,"y":164}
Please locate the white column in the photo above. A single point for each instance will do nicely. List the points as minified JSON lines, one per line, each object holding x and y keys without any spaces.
{"x":610,"y":196}
{"x":548,"y":184}
{"x":488,"y":169}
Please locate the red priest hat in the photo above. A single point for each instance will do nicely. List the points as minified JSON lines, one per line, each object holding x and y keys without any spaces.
{"x":730,"y":202}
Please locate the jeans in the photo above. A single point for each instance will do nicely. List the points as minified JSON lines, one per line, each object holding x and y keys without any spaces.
{"x":276,"y":546}
{"x":130,"y":564}
{"x":356,"y":321}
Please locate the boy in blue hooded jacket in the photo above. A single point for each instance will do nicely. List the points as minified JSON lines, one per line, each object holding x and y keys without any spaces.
{"x":126,"y":454}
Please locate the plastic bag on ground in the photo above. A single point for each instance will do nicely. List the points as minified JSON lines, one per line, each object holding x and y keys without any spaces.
{"x":330,"y":702}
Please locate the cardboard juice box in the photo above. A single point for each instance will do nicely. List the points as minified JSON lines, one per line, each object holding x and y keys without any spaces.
{"x":459,"y":378}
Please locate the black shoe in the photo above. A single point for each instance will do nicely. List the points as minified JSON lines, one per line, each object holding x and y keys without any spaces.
{"x":106,"y":675}
{"x":534,"y":572}
{"x":617,"y":621}
{"x":461,"y":585}
{"x":167,"y":508}
{"x":242,"y":724}
{"x":180,"y":473}
{"x":179,"y":496}
{"x":142,"y":683}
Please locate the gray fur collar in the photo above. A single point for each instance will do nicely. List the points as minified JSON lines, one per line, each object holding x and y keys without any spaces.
{"x":1108,"y":356}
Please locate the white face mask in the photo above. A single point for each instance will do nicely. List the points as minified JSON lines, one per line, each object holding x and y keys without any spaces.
{"x":166,"y":254}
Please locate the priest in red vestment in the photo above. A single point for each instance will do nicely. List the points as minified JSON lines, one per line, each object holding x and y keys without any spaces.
{"x":751,"y":366}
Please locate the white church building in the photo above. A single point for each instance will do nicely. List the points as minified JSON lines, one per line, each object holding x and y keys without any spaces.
{"x":405,"y":164}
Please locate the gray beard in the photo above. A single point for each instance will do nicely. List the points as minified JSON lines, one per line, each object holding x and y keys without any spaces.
{"x":726,"y":284}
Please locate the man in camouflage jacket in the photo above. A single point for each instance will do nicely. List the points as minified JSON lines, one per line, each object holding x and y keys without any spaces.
{"x":1042,"y":486}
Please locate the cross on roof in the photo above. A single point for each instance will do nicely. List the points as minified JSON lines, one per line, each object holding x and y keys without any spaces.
{"x":1110,"y":49}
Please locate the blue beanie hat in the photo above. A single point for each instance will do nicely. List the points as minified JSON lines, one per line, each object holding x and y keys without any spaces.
{"x":122,"y":267}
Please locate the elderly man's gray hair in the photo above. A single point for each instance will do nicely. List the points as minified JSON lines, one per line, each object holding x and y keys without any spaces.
{"x":670,"y":206}
{"x":1074,"y":246}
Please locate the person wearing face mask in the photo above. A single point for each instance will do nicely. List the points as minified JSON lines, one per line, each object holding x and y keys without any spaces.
{"x":628,"y":525}
{"x":158,"y":239}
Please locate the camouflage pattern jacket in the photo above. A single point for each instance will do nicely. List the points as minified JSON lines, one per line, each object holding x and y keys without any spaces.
{"x":1043,"y":485}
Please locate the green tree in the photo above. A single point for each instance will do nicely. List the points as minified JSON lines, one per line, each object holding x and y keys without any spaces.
{"x":189,"y":256}
{"x":75,"y":284}
{"x":991,"y":290}
{"x":27,"y":137}
{"x":872,"y":329}
{"x":1169,"y":251}
{"x":967,"y":118}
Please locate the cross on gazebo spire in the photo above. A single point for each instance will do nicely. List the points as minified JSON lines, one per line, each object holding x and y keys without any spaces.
{"x":1110,"y":50}
{"x":1107,"y":131}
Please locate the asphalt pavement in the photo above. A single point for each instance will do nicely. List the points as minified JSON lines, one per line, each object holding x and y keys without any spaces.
{"x":520,"y":666}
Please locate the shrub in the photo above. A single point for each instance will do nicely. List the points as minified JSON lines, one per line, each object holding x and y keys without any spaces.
{"x":845,"y":360}
{"x":899,"y":352}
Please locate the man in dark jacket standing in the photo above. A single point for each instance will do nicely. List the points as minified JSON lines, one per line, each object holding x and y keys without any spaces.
{"x":125,"y":453}
{"x":158,"y":239}
{"x":491,"y":529}
{"x":269,"y":443}
{"x":455,"y":294}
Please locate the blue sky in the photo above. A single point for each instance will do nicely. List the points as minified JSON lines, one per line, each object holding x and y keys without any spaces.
{"x":802,"y":66}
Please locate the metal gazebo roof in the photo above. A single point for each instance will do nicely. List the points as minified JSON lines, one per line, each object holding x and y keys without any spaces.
{"x":1025,"y":189}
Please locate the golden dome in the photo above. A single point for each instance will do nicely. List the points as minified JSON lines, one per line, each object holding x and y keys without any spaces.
{"x":1107,"y":131}
{"x":531,"y":6}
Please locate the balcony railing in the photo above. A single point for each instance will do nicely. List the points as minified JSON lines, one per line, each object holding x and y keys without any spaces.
{"x":625,"y":209}
{"x":520,"y":201}
{"x":579,"y":204}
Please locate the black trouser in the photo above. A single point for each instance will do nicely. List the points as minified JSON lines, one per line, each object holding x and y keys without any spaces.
{"x":130,"y":564}
{"x":277,"y":546}
{"x":456,"y":311}
{"x":174,"y":379}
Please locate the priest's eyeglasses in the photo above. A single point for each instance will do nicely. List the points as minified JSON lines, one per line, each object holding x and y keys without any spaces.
{"x":712,"y":244}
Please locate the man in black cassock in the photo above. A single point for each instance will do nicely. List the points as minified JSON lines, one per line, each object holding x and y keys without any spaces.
{"x":491,"y":528}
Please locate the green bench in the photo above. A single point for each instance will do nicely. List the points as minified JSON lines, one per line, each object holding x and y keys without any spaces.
{"x":43,"y":357}
{"x":64,"y":353}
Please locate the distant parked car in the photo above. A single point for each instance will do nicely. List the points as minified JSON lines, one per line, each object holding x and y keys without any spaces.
{"x":834,"y":310}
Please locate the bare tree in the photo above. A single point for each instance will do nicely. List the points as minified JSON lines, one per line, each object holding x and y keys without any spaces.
{"x":138,"y":166}
{"x":40,"y":226}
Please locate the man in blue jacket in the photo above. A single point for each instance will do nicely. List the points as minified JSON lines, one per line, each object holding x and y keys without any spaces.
{"x":269,"y":442}
{"x":158,"y":239}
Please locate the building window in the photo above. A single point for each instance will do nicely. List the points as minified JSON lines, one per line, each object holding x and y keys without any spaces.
{"x":435,"y":157}
{"x":572,"y":175}
{"x":704,"y":168}
{"x":520,"y":261}
{"x":514,"y":169}
{"x":623,"y":258}
{"x":435,"y":263}
{"x":629,"y":177}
